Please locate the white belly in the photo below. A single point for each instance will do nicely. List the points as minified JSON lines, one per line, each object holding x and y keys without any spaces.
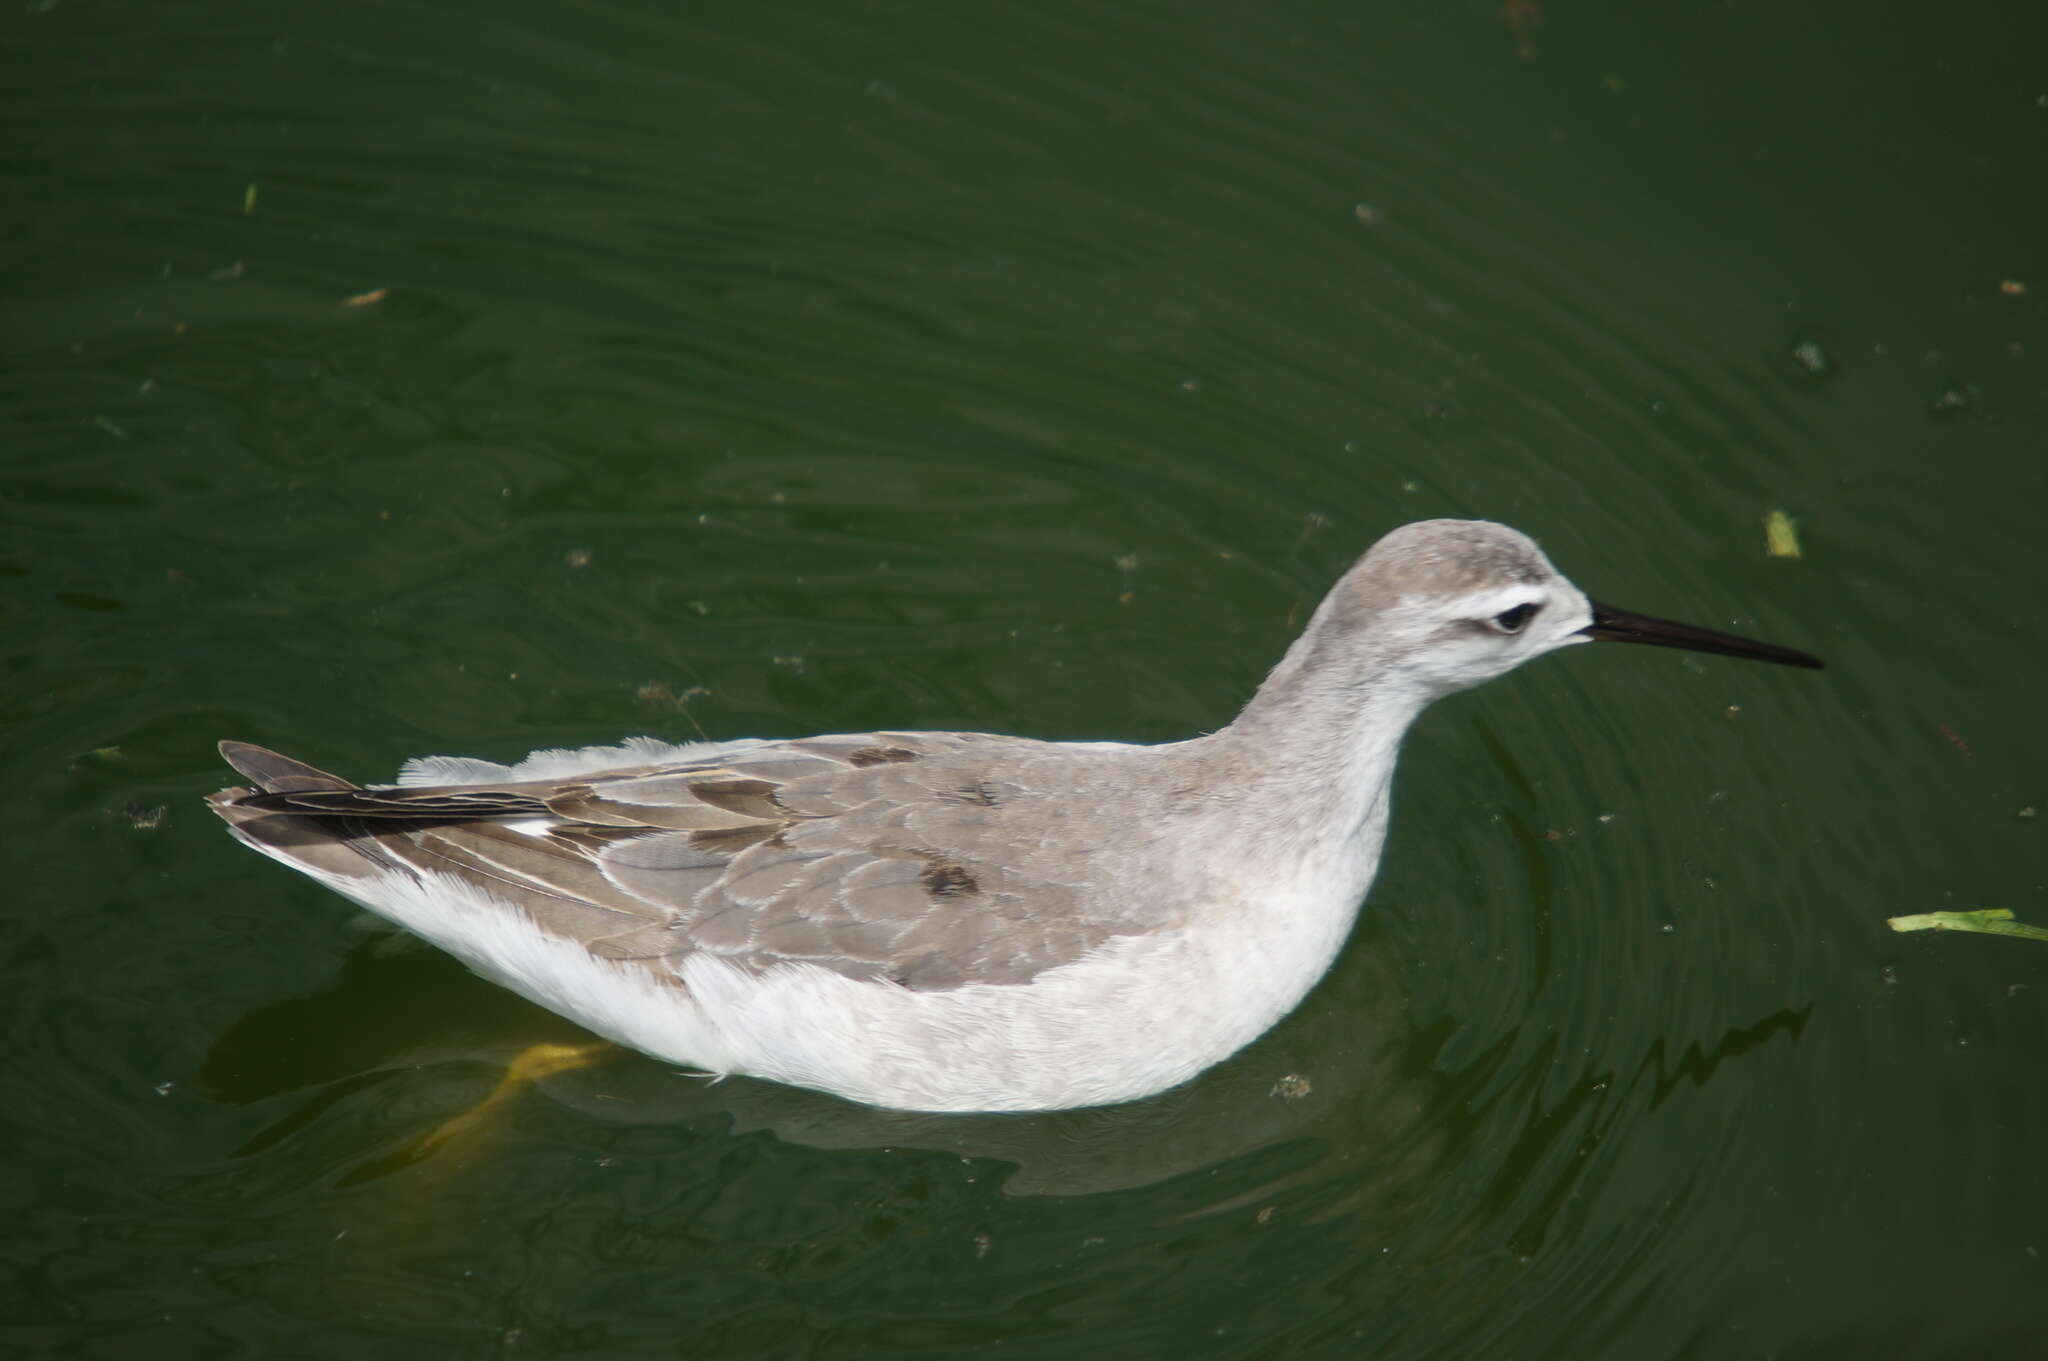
{"x":1136,"y":1017}
{"x":1142,"y":1014}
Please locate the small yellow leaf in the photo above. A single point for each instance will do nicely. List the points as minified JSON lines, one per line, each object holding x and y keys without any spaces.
{"x":1781,"y":536}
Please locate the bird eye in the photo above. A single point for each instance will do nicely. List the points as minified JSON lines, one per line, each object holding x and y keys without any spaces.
{"x":1511,"y":621}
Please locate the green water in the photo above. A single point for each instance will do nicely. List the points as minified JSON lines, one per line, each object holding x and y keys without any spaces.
{"x":388,"y":379}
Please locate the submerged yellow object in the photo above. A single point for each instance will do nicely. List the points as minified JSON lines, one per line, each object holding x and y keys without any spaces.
{"x":532,"y":1064}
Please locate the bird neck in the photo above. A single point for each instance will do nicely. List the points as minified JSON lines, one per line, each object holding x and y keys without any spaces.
{"x":1320,"y":738}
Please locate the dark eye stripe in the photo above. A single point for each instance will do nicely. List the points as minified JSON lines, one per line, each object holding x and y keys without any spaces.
{"x":1511,"y":621}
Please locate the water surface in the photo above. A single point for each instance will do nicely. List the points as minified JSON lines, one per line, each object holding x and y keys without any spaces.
{"x":473,"y":378}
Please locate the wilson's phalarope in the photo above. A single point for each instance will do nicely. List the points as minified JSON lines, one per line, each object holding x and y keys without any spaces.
{"x":951,"y":921}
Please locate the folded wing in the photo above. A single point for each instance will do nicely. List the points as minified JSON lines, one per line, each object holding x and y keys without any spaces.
{"x":875,"y":855}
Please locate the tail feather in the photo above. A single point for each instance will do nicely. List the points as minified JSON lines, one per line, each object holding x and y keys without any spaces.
{"x":321,"y":846}
{"x":275,"y":773}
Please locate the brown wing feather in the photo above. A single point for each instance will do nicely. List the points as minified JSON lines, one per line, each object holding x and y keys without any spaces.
{"x":875,"y":855}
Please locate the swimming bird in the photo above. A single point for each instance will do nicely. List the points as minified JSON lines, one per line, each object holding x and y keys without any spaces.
{"x":951,"y":921}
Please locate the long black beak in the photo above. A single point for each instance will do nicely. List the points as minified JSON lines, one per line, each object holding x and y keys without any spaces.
{"x":1619,"y":626}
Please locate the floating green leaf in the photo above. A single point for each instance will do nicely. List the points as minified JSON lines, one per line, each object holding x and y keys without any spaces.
{"x":1990,"y":921}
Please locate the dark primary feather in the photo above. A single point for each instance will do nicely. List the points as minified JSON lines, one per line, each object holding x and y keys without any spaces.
{"x":410,"y":805}
{"x":874,"y":855}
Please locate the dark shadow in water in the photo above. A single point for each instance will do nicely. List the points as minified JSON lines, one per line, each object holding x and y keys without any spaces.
{"x":1373,"y":1083}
